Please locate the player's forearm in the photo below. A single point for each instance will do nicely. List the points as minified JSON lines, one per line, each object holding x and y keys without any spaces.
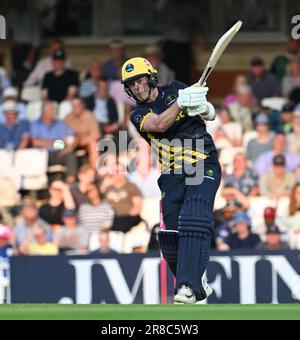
{"x":164,"y":121}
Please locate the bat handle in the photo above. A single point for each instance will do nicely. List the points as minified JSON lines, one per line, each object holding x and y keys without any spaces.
{"x":201,"y":84}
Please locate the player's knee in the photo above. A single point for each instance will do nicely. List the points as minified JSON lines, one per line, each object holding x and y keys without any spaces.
{"x":196,"y":215}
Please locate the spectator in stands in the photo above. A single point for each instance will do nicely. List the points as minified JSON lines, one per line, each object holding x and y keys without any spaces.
{"x":263,"y":142}
{"x":279,"y":182}
{"x":36,"y":243}
{"x":293,"y":218}
{"x":231,"y":194}
{"x":96,"y":215}
{"x":4,"y":79}
{"x":291,"y":81}
{"x":295,"y":96}
{"x":14,"y":133}
{"x":12,"y":94}
{"x":71,"y":236}
{"x":104,"y":245}
{"x":154,"y":55}
{"x":263,"y":83}
{"x":242,"y":178}
{"x":280,"y":64}
{"x":86,"y":177}
{"x":285,"y":124}
{"x":145,"y":176}
{"x":126,"y":200}
{"x":229,"y":133}
{"x":273,"y":241}
{"x":24,"y":36}
{"x":89,"y":85}
{"x":106,"y":167}
{"x":271,"y":219}
{"x":6,"y":247}
{"x":232,"y":98}
{"x":224,"y":226}
{"x":293,"y":140}
{"x":112,"y":66}
{"x":46,"y":130}
{"x":5,"y":217}
{"x":9,"y":196}
{"x":104,"y":109}
{"x":29,"y":219}
{"x":60,"y":200}
{"x":264,"y":162}
{"x":61,"y":83}
{"x":297,"y":174}
{"x":243,"y":110}
{"x":243,"y":238}
{"x":45,"y":65}
{"x":86,"y":128}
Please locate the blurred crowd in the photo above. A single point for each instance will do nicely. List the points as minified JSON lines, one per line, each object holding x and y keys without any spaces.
{"x":55,"y":197}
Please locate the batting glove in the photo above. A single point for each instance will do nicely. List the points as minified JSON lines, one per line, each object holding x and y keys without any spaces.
{"x":194,"y":96}
{"x":208,"y":113}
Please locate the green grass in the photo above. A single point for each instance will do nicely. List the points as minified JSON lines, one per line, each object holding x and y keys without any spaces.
{"x":139,"y":312}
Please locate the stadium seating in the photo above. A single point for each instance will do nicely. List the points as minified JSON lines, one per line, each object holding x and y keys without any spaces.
{"x":256,"y":212}
{"x":227,"y":157}
{"x":6,"y":163}
{"x":9,"y":196}
{"x":34,"y":111}
{"x":150,"y":211}
{"x":31,"y":165}
{"x":64,"y":109}
{"x":137,"y":238}
{"x":248,"y":136}
{"x":276,"y":103}
{"x":31,"y":94}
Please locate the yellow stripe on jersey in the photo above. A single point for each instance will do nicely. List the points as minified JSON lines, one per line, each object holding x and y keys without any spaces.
{"x":174,"y":157}
{"x":144,"y":120}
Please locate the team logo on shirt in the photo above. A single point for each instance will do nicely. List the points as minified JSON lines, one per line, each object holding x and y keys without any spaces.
{"x":138,"y":120}
{"x":210,"y":173}
{"x":170,"y":100}
{"x":129,"y":68}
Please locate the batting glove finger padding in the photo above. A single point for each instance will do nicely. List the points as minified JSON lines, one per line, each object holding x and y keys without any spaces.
{"x":192,"y":97}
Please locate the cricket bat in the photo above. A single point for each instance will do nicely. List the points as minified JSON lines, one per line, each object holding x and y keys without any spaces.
{"x":218,"y":51}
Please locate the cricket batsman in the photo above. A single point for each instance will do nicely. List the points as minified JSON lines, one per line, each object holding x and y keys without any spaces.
{"x":176,"y":111}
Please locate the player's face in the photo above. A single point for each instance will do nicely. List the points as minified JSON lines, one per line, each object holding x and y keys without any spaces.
{"x":140,"y":88}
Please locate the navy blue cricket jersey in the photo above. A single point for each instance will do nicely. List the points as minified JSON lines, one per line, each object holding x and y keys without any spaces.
{"x":184,"y":128}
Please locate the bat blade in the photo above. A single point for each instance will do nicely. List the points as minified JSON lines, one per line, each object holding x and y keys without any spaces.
{"x":219,"y":49}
